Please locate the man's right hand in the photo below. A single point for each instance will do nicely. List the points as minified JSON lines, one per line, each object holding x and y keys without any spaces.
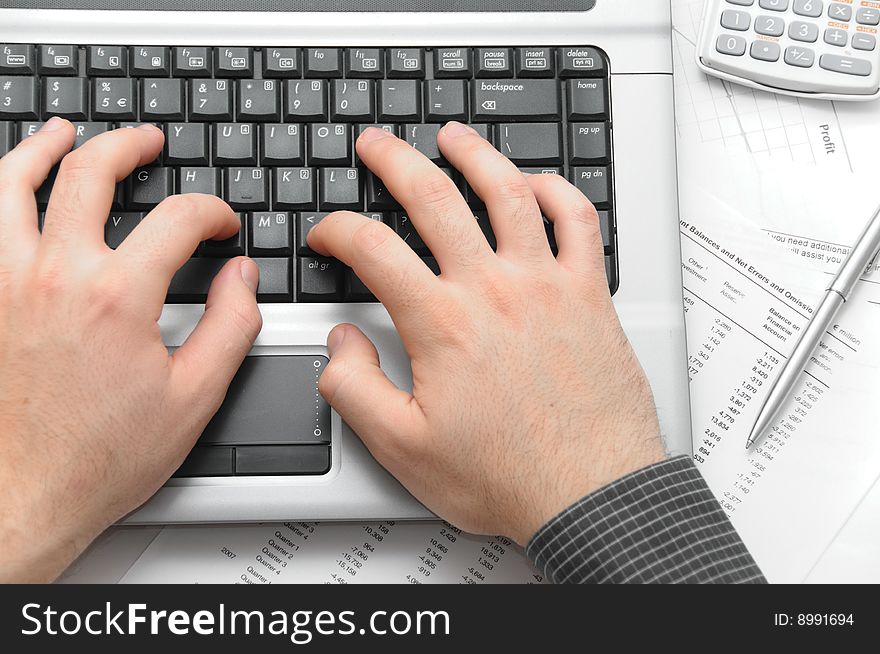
{"x":526,"y":393}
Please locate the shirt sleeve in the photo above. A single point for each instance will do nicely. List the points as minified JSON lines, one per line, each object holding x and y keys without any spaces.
{"x":660,"y":524}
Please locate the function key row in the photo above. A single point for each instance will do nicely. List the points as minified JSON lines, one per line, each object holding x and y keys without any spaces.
{"x":239,"y":61}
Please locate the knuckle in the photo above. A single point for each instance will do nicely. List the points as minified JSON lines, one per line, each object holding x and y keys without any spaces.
{"x":80,"y":163}
{"x":434,"y":191}
{"x":582,"y":211}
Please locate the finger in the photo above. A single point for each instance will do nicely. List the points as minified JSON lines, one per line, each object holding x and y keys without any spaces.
{"x":203,"y":367}
{"x":513,"y":212}
{"x":575,"y":223}
{"x":432,"y":200}
{"x":83,"y":192}
{"x":168,"y":236}
{"x":379,"y":257}
{"x":22,"y":171}
{"x":354,"y":385}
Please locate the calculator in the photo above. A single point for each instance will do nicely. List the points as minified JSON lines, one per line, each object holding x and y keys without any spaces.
{"x":804,"y":48}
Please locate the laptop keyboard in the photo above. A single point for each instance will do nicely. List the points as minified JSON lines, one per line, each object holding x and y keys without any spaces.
{"x":272,"y":131}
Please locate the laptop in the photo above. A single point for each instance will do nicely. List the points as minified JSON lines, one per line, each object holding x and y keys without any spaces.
{"x":261,"y":102}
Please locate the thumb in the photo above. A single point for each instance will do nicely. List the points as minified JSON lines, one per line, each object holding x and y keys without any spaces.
{"x":209,"y":358}
{"x":354,"y":385}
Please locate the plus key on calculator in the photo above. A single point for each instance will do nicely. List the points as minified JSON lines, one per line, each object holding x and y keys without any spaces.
{"x":807,"y":48}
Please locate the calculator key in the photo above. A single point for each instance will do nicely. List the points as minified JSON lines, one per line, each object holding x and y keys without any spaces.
{"x":736,"y":20}
{"x":800,"y":57}
{"x":107,"y":61}
{"x":864,"y":42}
{"x":323,"y":62}
{"x":840,"y":12}
{"x":339,"y":188}
{"x":848,"y":65}
{"x":836,"y":37}
{"x":452,"y":62}
{"x":59,"y":59}
{"x":535,"y":62}
{"x":494,"y":62}
{"x":192,"y":62}
{"x":234,"y":62}
{"x":18,"y":98}
{"x":581,"y":62}
{"x":764,"y":51}
{"x":801,"y":31}
{"x":364,"y":62}
{"x":810,"y":8}
{"x":774,"y":5}
{"x":742,"y":3}
{"x":406,"y":62}
{"x":149,"y":61}
{"x":281,"y":62}
{"x":769,"y":25}
{"x":866,"y":16}
{"x":17,"y":59}
{"x":731,"y":45}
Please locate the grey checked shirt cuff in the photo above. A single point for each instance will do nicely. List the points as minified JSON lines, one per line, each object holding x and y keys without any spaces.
{"x":660,"y":524}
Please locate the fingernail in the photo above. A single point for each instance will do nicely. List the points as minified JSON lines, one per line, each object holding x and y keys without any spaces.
{"x":55,"y":123}
{"x":454,"y":128}
{"x":373,"y":134}
{"x":148,"y":127}
{"x":250,"y":274}
{"x":335,"y":339}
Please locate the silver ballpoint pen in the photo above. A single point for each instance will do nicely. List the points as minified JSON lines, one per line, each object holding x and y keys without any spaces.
{"x":863,"y":252}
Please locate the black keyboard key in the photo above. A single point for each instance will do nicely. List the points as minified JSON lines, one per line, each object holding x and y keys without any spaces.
{"x":208,"y":461}
{"x":485,"y":224}
{"x":192,"y":62}
{"x":18,"y":98}
{"x":378,"y":196}
{"x":17,"y":59}
{"x":271,"y":234}
{"x":281,"y":62}
{"x":493,"y":62}
{"x":399,"y":100}
{"x":594,"y":182}
{"x":162,"y":100}
{"x":432,"y":264}
{"x":424,"y":139}
{"x":530,"y":143}
{"x":234,"y":62}
{"x":364,"y":62}
{"x":119,"y":225}
{"x":305,"y":101}
{"x":445,"y":100}
{"x":259,"y":99}
{"x":191,"y":282}
{"x":355,"y":289}
{"x":339,"y":188}
{"x":294,"y":188}
{"x":353,"y":101}
{"x":407,"y":231}
{"x":611,"y":273}
{"x":542,"y":170}
{"x":304,"y":223}
{"x":319,"y":279}
{"x":234,"y":246}
{"x":247,"y":189}
{"x":581,"y":62}
{"x":210,"y":100}
{"x":28,"y":128}
{"x":235,"y":144}
{"x":113,"y":98}
{"x":535,"y":62}
{"x":406,"y":62}
{"x":7,"y":137}
{"x":329,"y":145}
{"x":323,"y":62}
{"x":282,"y":145}
{"x":521,"y":99}
{"x":67,"y":97}
{"x":589,"y":143}
{"x":86,"y":131}
{"x":107,"y":61}
{"x":587,"y":99}
{"x":607,"y":228}
{"x":282,"y":460}
{"x":186,"y":144}
{"x":45,"y":191}
{"x":150,"y":61}
{"x":452,"y":62}
{"x":275,"y":280}
{"x":388,"y":127}
{"x":147,"y":187}
{"x":58,"y":60}
{"x":199,"y":180}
